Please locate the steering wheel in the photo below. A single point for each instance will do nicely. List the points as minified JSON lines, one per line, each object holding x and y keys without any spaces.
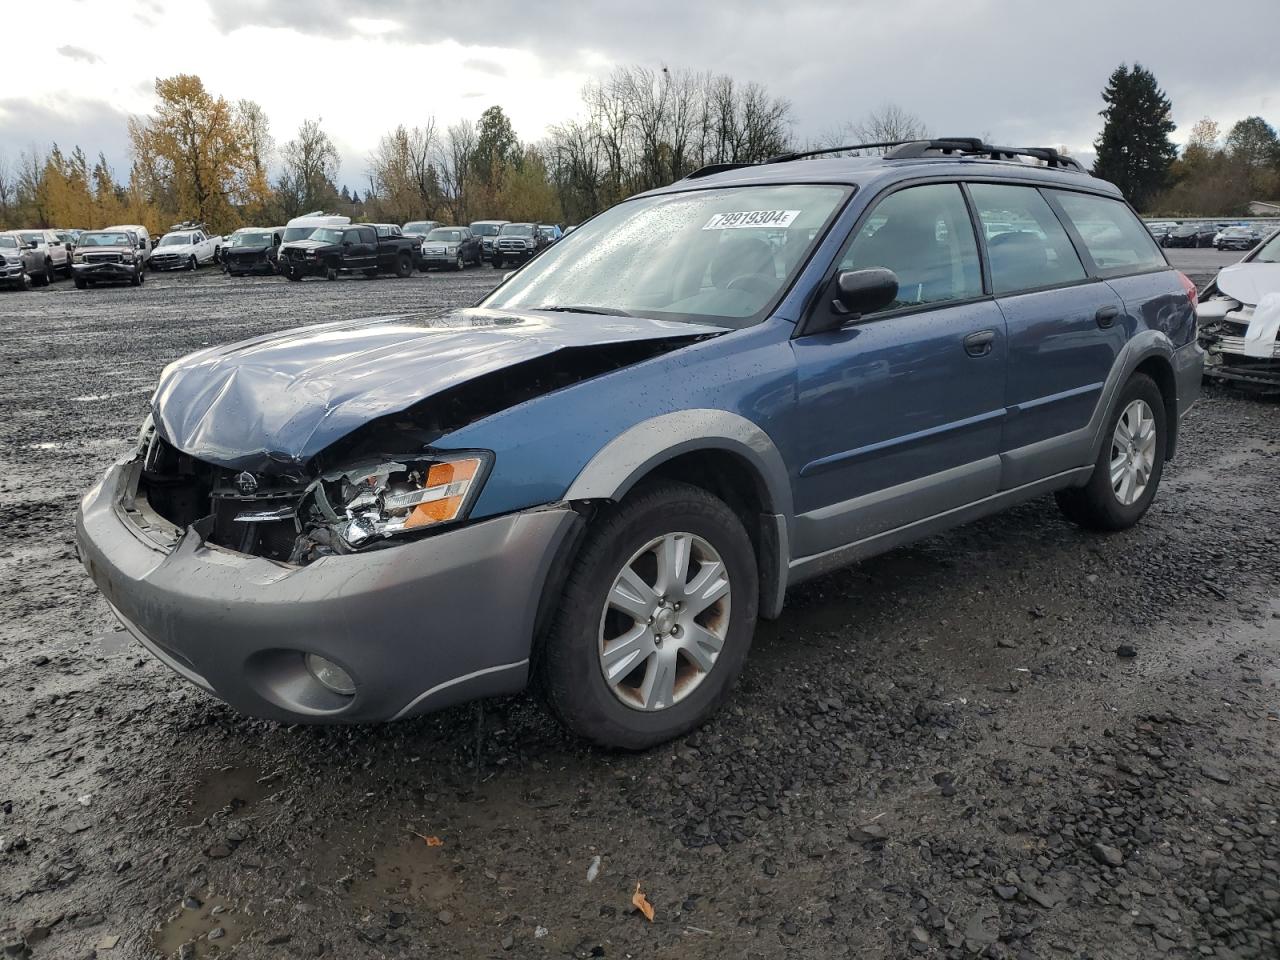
{"x":753,"y":282}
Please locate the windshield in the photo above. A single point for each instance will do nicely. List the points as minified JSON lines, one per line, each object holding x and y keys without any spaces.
{"x":485,"y":229}
{"x":453,"y":236}
{"x":706,"y":256}
{"x":517,"y":230}
{"x":104,"y":240}
{"x":38,"y":237}
{"x":176,"y":239}
{"x":1269,"y":252}
{"x":250,"y":239}
{"x":327,"y":235}
{"x":421,"y":226}
{"x":298,"y":233}
{"x":9,"y":242}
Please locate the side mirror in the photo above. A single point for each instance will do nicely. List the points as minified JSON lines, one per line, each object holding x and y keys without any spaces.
{"x":33,"y":244}
{"x":858,"y":292}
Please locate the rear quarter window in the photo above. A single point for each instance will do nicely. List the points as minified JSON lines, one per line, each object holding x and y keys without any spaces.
{"x":1113,"y":237}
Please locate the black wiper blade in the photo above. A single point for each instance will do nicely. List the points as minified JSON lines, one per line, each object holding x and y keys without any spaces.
{"x":602,"y":311}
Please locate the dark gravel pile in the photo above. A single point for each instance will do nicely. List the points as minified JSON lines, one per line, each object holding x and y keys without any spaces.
{"x":1014,"y":740}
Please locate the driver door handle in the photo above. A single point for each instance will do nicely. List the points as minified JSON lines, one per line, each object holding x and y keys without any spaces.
{"x":1106,"y":316}
{"x":979,"y":344}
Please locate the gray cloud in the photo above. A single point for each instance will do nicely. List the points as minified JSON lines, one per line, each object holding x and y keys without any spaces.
{"x":93,"y":125}
{"x":1022,"y":72}
{"x":79,"y":53}
{"x":485,"y":66}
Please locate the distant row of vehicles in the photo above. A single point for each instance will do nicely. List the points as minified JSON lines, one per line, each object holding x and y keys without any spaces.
{"x":313,"y":245}
{"x":327,"y":245}
{"x":1206,"y":233}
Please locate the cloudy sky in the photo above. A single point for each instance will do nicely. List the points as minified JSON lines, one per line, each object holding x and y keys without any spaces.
{"x":1019,"y":71}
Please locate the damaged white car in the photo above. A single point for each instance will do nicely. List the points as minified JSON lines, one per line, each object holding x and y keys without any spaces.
{"x":1239,"y":315}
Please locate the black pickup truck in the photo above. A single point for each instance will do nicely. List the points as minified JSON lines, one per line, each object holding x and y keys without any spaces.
{"x":359,"y":248}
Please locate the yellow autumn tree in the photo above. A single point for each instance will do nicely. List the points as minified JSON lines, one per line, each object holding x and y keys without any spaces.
{"x":194,"y":149}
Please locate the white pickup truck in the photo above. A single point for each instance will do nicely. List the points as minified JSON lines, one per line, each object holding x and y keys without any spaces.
{"x":185,"y":248}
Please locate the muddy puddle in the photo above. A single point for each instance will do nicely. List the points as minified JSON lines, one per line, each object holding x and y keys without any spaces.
{"x":231,"y":788}
{"x":210,"y":924}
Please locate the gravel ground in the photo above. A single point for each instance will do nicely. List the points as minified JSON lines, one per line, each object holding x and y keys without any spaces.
{"x":1013,"y":740}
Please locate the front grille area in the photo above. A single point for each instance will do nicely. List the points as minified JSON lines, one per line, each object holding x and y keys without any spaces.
{"x":186,"y":491}
{"x":511,"y":246}
{"x":102,"y":258}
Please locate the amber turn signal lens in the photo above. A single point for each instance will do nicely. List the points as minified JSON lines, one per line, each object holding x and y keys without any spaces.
{"x":453,"y":480}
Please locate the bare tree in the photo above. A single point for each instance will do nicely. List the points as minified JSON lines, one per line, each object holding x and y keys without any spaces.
{"x":310,"y":168}
{"x":453,"y":160}
{"x":402,"y":173}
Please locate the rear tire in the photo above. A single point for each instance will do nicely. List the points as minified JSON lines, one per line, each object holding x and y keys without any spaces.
{"x":629,"y":711}
{"x":1107,"y":502}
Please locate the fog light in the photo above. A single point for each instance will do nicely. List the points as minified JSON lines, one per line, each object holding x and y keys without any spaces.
{"x":331,"y":675}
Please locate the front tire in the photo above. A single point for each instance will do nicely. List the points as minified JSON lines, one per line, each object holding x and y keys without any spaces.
{"x":1129,"y":466}
{"x":655,"y":620}
{"x":191,"y":263}
{"x":497,"y":263}
{"x":404,"y":267}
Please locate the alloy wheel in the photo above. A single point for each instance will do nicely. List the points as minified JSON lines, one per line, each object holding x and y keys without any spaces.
{"x":1133,"y":452}
{"x":664,"y":622}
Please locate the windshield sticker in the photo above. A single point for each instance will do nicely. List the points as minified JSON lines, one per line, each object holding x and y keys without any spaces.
{"x":743,"y":219}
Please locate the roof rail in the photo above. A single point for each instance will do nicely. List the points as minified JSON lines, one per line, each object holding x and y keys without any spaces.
{"x":969,"y":146}
{"x":800,"y":155}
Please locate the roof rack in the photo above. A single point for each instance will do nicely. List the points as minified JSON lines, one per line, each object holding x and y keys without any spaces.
{"x":912,"y":149}
{"x":968,"y":146}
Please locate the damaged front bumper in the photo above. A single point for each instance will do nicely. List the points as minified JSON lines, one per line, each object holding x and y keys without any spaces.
{"x":1223,"y":339}
{"x":418,"y":626}
{"x":108,"y":272}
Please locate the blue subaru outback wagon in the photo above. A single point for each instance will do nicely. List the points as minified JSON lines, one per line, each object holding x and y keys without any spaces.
{"x":603,"y":474}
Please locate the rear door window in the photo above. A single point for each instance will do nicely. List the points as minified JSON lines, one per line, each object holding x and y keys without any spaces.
{"x":1026,"y":244}
{"x":1113,"y":237}
{"x":924,"y":235}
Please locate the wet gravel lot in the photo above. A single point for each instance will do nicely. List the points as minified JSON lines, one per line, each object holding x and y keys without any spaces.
{"x":1014,"y":740}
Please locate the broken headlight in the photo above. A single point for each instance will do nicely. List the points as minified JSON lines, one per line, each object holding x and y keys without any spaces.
{"x":373,"y":501}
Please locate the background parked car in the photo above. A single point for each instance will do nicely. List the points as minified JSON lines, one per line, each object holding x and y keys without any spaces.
{"x":252,"y":250}
{"x":54,"y":252}
{"x":551,"y":232}
{"x":487,"y":231}
{"x":419,"y":228}
{"x":1191,"y":235}
{"x":19,"y":263}
{"x":107,"y":256}
{"x":453,"y":247}
{"x":518,"y":242}
{"x":143,"y":235}
{"x":185,"y":248}
{"x":1159,"y":231}
{"x":355,"y":248}
{"x":1237,"y":238}
{"x":300,"y":228}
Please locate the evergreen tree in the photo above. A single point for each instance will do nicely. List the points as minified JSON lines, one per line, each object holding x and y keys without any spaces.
{"x":1134,"y":149}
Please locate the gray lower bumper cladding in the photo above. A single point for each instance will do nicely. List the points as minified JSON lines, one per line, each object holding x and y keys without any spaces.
{"x":417,"y":626}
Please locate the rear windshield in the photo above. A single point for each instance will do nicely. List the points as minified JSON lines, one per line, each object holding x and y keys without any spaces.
{"x":1112,"y":235}
{"x":716,"y":256}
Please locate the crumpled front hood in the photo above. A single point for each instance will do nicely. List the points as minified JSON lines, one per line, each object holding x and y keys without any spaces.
{"x":1249,"y":282}
{"x":280,"y":399}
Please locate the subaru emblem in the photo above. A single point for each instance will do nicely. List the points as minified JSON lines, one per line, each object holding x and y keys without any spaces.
{"x":246,"y":483}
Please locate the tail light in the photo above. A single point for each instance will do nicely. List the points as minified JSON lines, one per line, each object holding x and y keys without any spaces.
{"x":1190,"y":288}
